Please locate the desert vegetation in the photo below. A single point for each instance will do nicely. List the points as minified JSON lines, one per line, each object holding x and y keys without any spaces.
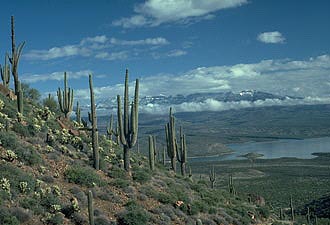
{"x":59,"y":170}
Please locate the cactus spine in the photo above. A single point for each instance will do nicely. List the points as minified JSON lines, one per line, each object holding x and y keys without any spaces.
{"x":171,"y":140}
{"x":5,"y":73}
{"x":93,"y":120}
{"x":128,"y":128}
{"x":78,"y":114}
{"x":15,"y":55}
{"x":20,"y":99}
{"x":151,"y":153}
{"x":90,"y":208}
{"x":182,"y":153}
{"x":212,"y":177}
{"x":65,"y":98}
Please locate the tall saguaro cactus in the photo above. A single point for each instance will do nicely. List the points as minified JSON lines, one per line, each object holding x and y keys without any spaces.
{"x":128,"y":127}
{"x":171,"y":140}
{"x":212,"y":177}
{"x":151,"y":153}
{"x":5,"y":73}
{"x":15,"y":55}
{"x":90,"y":208}
{"x":93,"y":120}
{"x":182,"y":153}
{"x":65,"y":98}
{"x":78,"y":114}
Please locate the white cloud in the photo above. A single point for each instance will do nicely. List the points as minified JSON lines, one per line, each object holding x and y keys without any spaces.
{"x":147,"y":41}
{"x":156,"y":12}
{"x":98,"y":47}
{"x":33,"y":78}
{"x":176,"y":53}
{"x":271,"y":37}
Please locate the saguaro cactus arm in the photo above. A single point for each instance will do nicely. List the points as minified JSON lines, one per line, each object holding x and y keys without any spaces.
{"x":5,"y":72}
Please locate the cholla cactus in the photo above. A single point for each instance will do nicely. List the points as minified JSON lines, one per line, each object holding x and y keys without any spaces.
{"x":2,"y":104}
{"x":23,"y":186}
{"x":74,"y":204}
{"x":57,"y":190}
{"x":56,"y":207}
{"x":5,"y":185}
{"x":10,"y":155}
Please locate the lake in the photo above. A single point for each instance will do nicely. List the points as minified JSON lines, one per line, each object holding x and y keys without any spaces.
{"x":275,"y":149}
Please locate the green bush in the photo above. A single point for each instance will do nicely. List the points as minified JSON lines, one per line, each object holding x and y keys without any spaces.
{"x":133,"y":215}
{"x":6,"y":218}
{"x":28,"y":155}
{"x":8,"y":139}
{"x":84,"y":176}
{"x":25,"y":131}
{"x":32,"y":204}
{"x":117,"y":172}
{"x":120,"y":183}
{"x":141,"y":175}
{"x":15,"y":176}
{"x":263,"y":211}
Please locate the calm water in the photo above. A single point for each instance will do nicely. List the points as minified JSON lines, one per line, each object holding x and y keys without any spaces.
{"x":277,"y":149}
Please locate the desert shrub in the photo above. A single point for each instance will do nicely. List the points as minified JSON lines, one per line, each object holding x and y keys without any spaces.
{"x":120,"y":183}
{"x":263,"y":211}
{"x":78,"y":219}
{"x":117,"y":172}
{"x":32,"y":204}
{"x":28,"y":155}
{"x":25,"y":131}
{"x":133,"y":215}
{"x":198,"y":206}
{"x":8,"y":139}
{"x":141,"y":175}
{"x":6,"y":218}
{"x":49,"y":200}
{"x":21,"y":214}
{"x":15,"y":176}
{"x":102,"y":220}
{"x":55,"y":219}
{"x":84,"y":176}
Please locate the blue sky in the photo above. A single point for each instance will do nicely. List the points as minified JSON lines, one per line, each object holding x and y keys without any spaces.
{"x":173,"y":46}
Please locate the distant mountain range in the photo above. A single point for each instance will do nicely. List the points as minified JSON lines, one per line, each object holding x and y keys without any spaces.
{"x":162,"y":100}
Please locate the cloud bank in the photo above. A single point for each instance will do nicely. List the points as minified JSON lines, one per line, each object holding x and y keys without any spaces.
{"x":156,"y":12}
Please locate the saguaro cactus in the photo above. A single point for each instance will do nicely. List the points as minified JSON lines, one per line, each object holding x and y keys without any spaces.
{"x":231,"y":185}
{"x":5,"y":73}
{"x":151,"y":153}
{"x":78,"y":114}
{"x":212,"y":177}
{"x":128,"y":128}
{"x":90,"y":208}
{"x":65,"y":98}
{"x":171,"y":140}
{"x":15,"y":55}
{"x":182,"y":153}
{"x":292,"y":209}
{"x":93,"y":120}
